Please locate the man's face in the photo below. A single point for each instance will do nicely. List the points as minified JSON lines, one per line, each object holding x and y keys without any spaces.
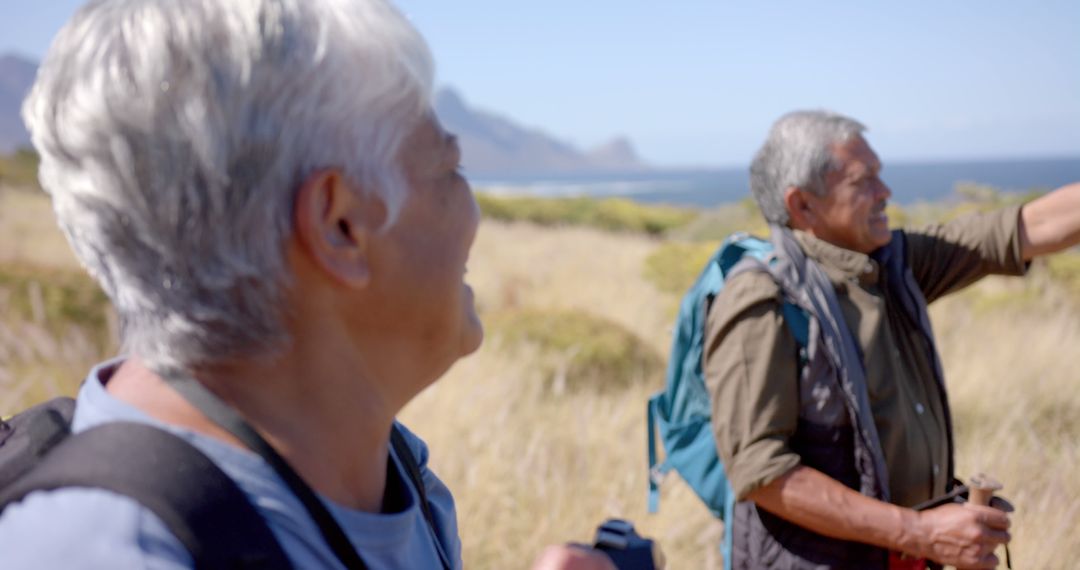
{"x":420,"y":271}
{"x":851,"y":215}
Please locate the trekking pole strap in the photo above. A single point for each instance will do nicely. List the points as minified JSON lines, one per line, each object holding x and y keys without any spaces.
{"x":656,"y":472}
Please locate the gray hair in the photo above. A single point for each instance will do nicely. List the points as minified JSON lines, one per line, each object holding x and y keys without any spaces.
{"x":797,"y":153}
{"x":173,"y":136}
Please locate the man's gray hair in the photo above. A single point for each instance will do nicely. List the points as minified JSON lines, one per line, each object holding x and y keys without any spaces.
{"x":797,"y":153}
{"x":173,"y":136}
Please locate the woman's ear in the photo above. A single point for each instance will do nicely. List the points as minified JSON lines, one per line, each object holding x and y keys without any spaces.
{"x":333,"y":225}
{"x":801,"y":208}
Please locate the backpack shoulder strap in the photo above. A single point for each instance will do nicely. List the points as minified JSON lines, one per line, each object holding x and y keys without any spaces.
{"x":412,"y":469}
{"x":196,"y":500}
{"x":28,"y":436}
{"x":798,"y":321}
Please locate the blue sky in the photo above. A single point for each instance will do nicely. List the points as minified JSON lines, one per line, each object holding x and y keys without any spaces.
{"x":697,"y":82}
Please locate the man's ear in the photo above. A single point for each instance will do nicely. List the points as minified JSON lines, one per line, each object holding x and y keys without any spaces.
{"x":334,"y":223}
{"x":801,"y":208}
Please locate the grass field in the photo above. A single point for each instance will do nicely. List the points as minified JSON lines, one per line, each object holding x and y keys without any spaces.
{"x":541,"y":433}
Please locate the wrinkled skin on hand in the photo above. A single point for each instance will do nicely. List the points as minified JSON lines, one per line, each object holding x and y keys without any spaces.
{"x":964,"y":536}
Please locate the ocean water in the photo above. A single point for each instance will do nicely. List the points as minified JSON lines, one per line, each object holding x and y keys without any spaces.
{"x":910,"y":182}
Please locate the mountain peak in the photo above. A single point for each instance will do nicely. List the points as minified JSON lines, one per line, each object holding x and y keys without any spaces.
{"x":617,"y":154}
{"x":12,"y":58}
{"x":493,"y":145}
{"x":448,"y":97}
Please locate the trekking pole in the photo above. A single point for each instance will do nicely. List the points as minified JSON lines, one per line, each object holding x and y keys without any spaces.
{"x":981,"y":490}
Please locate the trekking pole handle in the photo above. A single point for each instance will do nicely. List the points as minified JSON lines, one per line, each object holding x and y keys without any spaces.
{"x":981,"y":489}
{"x":628,"y":550}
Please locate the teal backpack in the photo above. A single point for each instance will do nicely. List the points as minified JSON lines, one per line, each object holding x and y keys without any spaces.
{"x":682,"y":410}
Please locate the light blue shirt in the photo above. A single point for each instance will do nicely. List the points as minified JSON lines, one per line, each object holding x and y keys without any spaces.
{"x":93,"y":528}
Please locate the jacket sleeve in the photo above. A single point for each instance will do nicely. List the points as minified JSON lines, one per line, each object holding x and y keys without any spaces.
{"x":751,"y":371}
{"x":945,"y":258}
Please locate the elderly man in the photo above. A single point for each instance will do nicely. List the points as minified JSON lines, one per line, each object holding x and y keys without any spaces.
{"x":262,"y":190}
{"x":828,"y":445}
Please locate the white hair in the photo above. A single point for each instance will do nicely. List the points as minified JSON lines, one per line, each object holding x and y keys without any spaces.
{"x":797,"y":153}
{"x":173,"y":135}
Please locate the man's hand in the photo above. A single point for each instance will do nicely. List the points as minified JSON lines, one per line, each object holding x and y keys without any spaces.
{"x":960,"y":535}
{"x":568,"y":557}
{"x":964,"y":536}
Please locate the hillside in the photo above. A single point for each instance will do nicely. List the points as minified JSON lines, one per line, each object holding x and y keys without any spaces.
{"x":492,"y":144}
{"x":16,"y":76}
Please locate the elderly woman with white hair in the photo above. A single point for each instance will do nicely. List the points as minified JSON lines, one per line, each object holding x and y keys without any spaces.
{"x":282,"y":226}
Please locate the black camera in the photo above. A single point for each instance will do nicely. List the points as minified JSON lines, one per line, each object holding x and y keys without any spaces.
{"x":626,"y":548}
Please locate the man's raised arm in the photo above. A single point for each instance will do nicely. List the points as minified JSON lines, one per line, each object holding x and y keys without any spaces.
{"x":1051,"y":223}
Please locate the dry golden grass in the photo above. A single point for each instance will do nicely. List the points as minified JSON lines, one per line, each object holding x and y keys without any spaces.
{"x":39,"y":358}
{"x":532,"y":465}
{"x":521,"y":265}
{"x":28,"y":232}
{"x":1013,"y":383}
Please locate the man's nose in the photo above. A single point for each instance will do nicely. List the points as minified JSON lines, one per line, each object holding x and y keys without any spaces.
{"x":884,"y":192}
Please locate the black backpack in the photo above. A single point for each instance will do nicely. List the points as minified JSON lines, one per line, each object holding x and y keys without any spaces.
{"x":192,"y":496}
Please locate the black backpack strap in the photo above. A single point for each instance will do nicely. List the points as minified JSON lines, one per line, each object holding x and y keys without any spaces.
{"x":30,"y":435}
{"x":401,"y":449}
{"x":196,"y":500}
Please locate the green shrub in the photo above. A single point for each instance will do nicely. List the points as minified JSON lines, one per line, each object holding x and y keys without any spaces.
{"x":987,"y":198}
{"x":578,"y":350}
{"x":622,"y":214}
{"x":715,"y":224}
{"x":612,"y":214}
{"x":673,"y":266}
{"x":54,"y":298}
{"x":976,"y":198}
{"x":20,"y":169}
{"x":54,"y":325}
{"x":1018,"y":299}
{"x":967,"y":198}
{"x":1064,"y":268}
